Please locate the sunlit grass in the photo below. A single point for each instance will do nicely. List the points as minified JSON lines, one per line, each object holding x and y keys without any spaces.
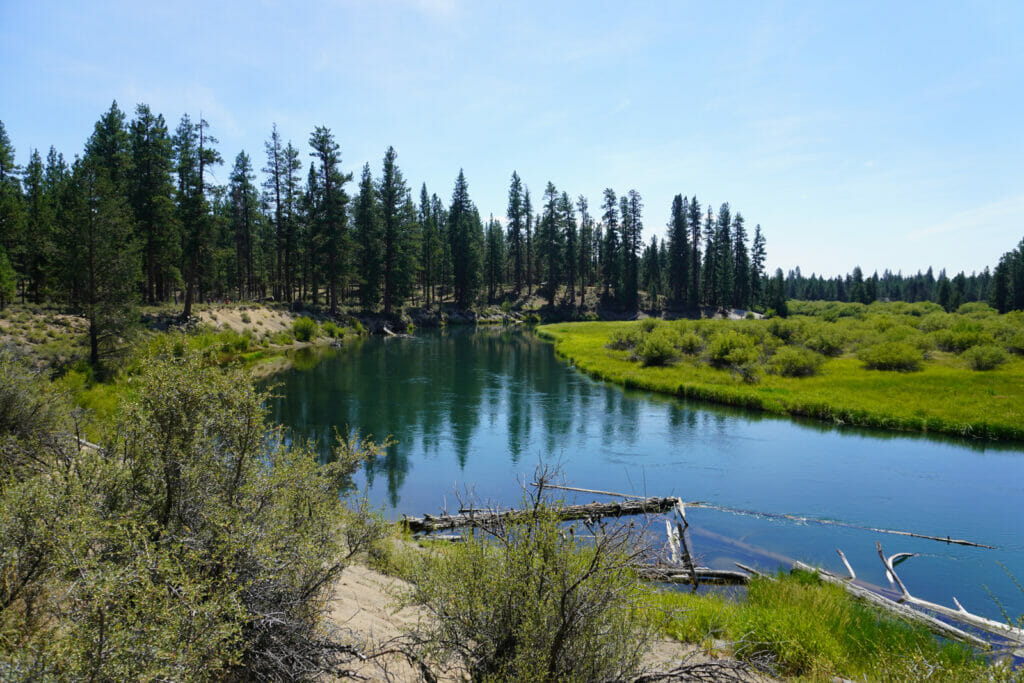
{"x":815,"y":631}
{"x":945,"y":395}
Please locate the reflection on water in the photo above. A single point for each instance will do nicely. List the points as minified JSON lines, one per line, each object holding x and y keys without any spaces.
{"x":481,"y":407}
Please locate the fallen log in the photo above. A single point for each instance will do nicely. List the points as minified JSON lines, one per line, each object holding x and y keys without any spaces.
{"x":998,"y":628}
{"x":705,"y":575}
{"x":902,"y":611}
{"x":483,"y":518}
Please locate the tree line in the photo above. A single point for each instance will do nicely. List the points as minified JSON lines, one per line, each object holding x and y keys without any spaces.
{"x":1002,"y":287}
{"x":138,"y":217}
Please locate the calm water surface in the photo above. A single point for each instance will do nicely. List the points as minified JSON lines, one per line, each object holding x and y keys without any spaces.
{"x":482,"y":407}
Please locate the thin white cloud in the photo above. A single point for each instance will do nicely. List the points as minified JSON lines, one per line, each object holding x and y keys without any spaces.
{"x":1007,"y":212}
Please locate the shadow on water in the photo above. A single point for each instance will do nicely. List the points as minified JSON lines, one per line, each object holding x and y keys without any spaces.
{"x":482,"y":407}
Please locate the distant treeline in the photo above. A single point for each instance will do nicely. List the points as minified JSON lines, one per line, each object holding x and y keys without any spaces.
{"x":1002,"y":288}
{"x":138,"y":216}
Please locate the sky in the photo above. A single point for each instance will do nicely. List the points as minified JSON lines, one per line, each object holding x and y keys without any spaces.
{"x":879,"y":134}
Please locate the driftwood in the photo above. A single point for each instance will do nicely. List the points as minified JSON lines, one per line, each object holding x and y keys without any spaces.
{"x":892,"y":607}
{"x":706,"y":575}
{"x":1003,"y":630}
{"x":475,"y":517}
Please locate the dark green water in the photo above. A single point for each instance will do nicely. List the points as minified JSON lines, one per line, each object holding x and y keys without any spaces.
{"x":480,"y":409}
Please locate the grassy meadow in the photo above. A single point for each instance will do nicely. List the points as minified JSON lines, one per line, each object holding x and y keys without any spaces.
{"x":889,"y":365}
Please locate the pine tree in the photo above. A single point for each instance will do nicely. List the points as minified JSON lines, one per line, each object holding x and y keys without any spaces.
{"x":741,"y":264}
{"x":100,"y":260}
{"x":463,"y":229}
{"x":549,"y":242}
{"x":777,"y":294}
{"x":723,"y":257}
{"x":12,"y":237}
{"x":39,"y":217}
{"x":632,"y":230}
{"x":586,"y":249}
{"x":151,"y":194}
{"x":243,"y":220}
{"x":291,"y":216}
{"x":193,"y":154}
{"x":678,"y":251}
{"x":398,"y":238}
{"x":369,"y":241}
{"x":611,"y":249}
{"x":494,"y":258}
{"x":109,"y":147}
{"x":273,"y":191}
{"x":757,"y":257}
{"x":516,"y":220}
{"x":528,"y":252}
{"x":570,"y":238}
{"x":329,"y":219}
{"x":693,"y":218}
{"x":709,"y":274}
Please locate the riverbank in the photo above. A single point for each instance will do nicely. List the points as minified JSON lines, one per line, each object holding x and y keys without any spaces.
{"x":943,"y":396}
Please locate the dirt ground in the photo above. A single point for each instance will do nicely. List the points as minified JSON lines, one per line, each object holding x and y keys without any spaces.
{"x":364,"y":605}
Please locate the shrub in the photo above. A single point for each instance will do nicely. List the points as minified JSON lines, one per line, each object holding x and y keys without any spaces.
{"x":332,"y":330}
{"x":730,"y":348}
{"x":304,"y":328}
{"x":245,"y":318}
{"x":976,"y":308}
{"x":985,"y":357}
{"x":624,"y":340}
{"x":783,"y":329}
{"x":648,"y":324}
{"x":690,"y":343}
{"x":792,"y":361}
{"x":961,"y":337}
{"x":204,"y":550}
{"x":891,"y":356}
{"x":826,"y":339}
{"x":524,"y":601}
{"x":658,"y":347}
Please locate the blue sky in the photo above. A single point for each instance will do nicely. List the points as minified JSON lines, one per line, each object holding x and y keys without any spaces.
{"x":885,"y":135}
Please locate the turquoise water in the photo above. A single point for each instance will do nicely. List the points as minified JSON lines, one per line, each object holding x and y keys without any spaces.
{"x":481,"y":408}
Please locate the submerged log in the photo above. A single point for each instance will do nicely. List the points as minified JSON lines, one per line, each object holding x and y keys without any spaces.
{"x":428,"y":523}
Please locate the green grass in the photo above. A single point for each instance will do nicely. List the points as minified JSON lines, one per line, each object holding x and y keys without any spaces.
{"x":815,"y":631}
{"x":945,"y":395}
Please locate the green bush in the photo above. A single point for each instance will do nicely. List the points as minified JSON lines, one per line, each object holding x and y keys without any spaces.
{"x":648,"y":324}
{"x":658,"y":347}
{"x":792,"y":361}
{"x":690,"y":343}
{"x":826,"y":339}
{"x":524,"y":601}
{"x":304,"y":328}
{"x":205,"y":550}
{"x":985,"y":357}
{"x":332,"y":330}
{"x":730,"y":348}
{"x":976,"y":308}
{"x":891,"y":356}
{"x":624,"y":340}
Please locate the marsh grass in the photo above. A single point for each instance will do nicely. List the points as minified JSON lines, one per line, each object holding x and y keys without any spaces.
{"x":815,"y":631}
{"x":737,"y":362}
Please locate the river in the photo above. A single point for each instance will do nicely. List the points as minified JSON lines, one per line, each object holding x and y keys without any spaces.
{"x":480,"y":408}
